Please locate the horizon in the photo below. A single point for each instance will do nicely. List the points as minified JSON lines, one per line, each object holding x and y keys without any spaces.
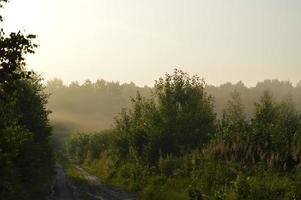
{"x":66,"y":83}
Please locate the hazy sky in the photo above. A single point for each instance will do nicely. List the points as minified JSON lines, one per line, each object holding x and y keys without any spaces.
{"x":140,"y":40}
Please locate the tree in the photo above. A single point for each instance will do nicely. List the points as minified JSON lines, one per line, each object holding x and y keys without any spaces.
{"x":186,"y":110}
{"x":13,"y":47}
{"x":25,"y":152}
{"x":274,"y":126}
{"x":234,"y":119}
{"x":178,"y":118}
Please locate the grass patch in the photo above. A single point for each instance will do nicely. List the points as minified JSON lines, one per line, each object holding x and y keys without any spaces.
{"x":73,"y":174}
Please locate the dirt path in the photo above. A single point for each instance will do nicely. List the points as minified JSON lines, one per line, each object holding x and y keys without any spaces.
{"x":92,"y":189}
{"x":62,"y":189}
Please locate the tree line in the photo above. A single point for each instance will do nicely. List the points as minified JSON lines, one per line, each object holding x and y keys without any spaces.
{"x":93,"y":105}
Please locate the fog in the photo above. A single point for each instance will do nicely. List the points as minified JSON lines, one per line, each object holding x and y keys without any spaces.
{"x":92,"y":106}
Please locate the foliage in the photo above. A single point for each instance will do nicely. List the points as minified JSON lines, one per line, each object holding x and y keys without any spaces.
{"x":177,"y":119}
{"x":25,"y":152}
{"x":24,"y":141}
{"x":88,"y":146}
{"x":267,"y":138}
{"x":12,"y":50}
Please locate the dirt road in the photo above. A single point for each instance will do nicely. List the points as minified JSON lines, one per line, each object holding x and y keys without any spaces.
{"x":92,"y":189}
{"x":62,"y":189}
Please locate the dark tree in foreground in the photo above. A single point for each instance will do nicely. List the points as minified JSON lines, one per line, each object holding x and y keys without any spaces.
{"x":25,"y":152}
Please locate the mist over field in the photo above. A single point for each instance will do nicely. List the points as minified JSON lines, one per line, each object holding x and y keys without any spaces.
{"x":93,"y":106}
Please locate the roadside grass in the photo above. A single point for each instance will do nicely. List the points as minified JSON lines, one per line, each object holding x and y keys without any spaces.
{"x":208,"y":178}
{"x":73,"y":174}
{"x":146,"y":186}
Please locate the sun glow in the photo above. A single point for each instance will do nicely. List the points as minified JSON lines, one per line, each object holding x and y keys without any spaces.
{"x":19,"y":14}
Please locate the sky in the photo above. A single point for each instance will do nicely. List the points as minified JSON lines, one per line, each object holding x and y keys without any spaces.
{"x":140,"y":40}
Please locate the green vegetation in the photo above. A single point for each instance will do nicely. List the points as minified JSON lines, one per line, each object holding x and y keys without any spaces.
{"x":172,"y":146}
{"x":26,"y":164}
